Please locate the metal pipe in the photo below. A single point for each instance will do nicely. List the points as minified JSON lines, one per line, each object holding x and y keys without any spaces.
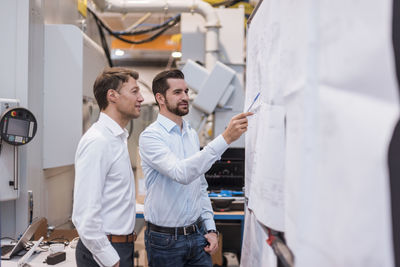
{"x":163,"y":6}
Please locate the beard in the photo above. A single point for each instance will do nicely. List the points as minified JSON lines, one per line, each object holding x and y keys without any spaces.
{"x":176,"y":109}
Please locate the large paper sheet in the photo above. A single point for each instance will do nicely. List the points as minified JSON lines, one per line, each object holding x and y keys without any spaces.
{"x":267,"y":189}
{"x":329,"y":66}
{"x":343,"y":192}
{"x":255,"y":250}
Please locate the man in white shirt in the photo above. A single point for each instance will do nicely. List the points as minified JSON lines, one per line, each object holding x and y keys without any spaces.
{"x":104,"y":195}
{"x":180,"y":226}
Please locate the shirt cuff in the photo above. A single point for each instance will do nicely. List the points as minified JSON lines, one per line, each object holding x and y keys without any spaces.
{"x":107,"y":257}
{"x":210,"y":224}
{"x":219,"y":145}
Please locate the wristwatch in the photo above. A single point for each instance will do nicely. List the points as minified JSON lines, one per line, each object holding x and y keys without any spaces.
{"x":213,"y":231}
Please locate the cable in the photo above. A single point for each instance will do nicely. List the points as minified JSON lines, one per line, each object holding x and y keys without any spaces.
{"x":104,"y":43}
{"x":165,"y":26}
{"x":138,"y":32}
{"x":151,"y":38}
{"x":101,"y":25}
{"x":233,"y":3}
{"x":227,"y":3}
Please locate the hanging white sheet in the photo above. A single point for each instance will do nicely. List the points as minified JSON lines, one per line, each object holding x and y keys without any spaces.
{"x":329,"y":66}
{"x":267,"y":188}
{"x":255,"y":250}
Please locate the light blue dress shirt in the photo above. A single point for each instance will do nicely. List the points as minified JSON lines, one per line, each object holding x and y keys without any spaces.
{"x":174,"y":167}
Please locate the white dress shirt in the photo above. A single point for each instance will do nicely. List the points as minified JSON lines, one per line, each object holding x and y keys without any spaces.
{"x":104,"y":195}
{"x":176,"y":189}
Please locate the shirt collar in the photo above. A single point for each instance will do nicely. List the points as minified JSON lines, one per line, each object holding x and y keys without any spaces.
{"x":169,"y":124}
{"x":112,"y":125}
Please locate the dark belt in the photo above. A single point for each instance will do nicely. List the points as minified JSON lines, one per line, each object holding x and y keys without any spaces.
{"x":185,"y":230}
{"x":122,"y":238}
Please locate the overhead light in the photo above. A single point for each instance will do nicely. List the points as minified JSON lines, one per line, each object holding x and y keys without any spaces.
{"x":119,"y":52}
{"x":176,"y":54}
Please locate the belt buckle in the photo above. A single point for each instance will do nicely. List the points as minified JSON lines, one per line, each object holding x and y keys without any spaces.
{"x":190,"y":227}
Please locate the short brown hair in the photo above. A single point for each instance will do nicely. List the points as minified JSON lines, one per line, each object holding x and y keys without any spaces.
{"x":111,"y":78}
{"x":160,"y":84}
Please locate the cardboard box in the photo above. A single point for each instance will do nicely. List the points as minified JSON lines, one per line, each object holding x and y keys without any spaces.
{"x":217,"y":256}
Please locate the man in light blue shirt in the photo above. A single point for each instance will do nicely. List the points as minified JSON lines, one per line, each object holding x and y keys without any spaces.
{"x":180,"y":226}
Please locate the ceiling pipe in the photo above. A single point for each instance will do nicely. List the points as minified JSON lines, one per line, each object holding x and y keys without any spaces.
{"x":178,"y":6}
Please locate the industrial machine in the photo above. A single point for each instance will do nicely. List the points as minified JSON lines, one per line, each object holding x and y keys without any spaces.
{"x":17,"y":127}
{"x":226,"y":181}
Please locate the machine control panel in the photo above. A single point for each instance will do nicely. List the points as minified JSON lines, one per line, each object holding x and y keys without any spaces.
{"x":18,"y":126}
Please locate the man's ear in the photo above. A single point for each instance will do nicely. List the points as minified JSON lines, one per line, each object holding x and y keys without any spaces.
{"x":160,"y":98}
{"x":111,"y":95}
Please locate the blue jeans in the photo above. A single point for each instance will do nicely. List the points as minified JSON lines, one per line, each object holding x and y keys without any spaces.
{"x":166,"y":250}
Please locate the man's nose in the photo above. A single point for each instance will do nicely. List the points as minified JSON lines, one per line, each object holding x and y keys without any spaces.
{"x":140,"y":98}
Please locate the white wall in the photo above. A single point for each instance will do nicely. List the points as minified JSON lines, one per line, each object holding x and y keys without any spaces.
{"x":59,"y":195}
{"x":22,"y":78}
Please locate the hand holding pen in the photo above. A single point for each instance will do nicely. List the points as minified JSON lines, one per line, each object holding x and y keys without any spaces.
{"x":238,"y":124}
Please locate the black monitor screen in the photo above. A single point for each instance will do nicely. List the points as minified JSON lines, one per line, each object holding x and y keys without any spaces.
{"x":18,"y":127}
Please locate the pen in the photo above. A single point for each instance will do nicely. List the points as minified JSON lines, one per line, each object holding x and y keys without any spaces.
{"x":253,"y":101}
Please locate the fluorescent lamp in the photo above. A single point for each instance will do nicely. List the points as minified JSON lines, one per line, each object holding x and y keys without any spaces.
{"x":119,"y":52}
{"x":176,"y":54}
